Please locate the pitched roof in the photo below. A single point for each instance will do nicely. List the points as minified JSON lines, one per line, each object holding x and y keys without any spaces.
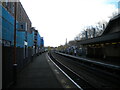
{"x":106,"y":36}
{"x":111,"y":22}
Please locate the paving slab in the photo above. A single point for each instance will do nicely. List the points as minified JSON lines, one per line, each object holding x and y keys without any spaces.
{"x":37,"y":74}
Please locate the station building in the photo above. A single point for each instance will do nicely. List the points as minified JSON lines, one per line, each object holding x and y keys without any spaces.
{"x":106,"y":46}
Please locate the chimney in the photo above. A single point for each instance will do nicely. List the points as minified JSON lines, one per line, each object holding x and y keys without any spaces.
{"x":94,"y":32}
{"x":103,"y":26}
{"x":86,"y":36}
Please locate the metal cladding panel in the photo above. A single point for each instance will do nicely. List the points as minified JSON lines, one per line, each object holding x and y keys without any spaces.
{"x":7,"y":31}
{"x":0,"y":27}
{"x":6,"y":15}
{"x":21,"y":35}
{"x":38,"y":39}
{"x":42,"y":41}
{"x":30,"y":39}
{"x":0,"y":22}
{"x":7,"y":26}
{"x":17,"y":25}
{"x":0,"y":10}
{"x":20,"y":38}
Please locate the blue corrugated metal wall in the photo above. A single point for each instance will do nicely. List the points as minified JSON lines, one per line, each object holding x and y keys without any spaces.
{"x":7,"y":26}
{"x":0,"y":27}
{"x":20,"y":38}
{"x":38,"y":40}
{"x":0,"y":22}
{"x":42,"y":41}
{"x":30,"y":39}
{"x":0,"y":10}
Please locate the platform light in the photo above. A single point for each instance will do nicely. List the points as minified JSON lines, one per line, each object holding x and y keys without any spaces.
{"x":102,"y":44}
{"x":97,"y":44}
{"x":107,"y":43}
{"x":89,"y":45}
{"x":114,"y":43}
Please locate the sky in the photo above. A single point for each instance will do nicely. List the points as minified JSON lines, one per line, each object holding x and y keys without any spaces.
{"x":57,"y":20}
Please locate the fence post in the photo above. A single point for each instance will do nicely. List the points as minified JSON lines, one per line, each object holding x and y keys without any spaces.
{"x":14,"y":59}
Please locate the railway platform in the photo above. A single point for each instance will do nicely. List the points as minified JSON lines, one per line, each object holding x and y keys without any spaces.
{"x":93,"y":74}
{"x":115,"y":64}
{"x":41,"y":73}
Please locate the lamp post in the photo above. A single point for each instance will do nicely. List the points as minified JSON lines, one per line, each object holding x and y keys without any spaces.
{"x":14,"y":59}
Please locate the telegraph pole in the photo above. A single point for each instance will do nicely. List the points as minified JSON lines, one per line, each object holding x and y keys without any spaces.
{"x":14,"y":59}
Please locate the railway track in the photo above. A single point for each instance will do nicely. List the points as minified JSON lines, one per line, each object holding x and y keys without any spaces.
{"x":86,"y":76}
{"x":74,"y":76}
{"x":99,"y":65}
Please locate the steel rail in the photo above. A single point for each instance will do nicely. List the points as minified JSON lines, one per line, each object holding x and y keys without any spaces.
{"x":91,"y":61}
{"x":74,"y":76}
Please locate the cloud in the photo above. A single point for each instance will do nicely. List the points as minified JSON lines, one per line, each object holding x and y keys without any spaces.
{"x":57,"y":20}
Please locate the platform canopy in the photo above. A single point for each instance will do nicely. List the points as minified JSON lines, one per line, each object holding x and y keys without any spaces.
{"x":110,"y":34}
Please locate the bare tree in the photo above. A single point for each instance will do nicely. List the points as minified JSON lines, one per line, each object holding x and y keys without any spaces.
{"x":92,"y":31}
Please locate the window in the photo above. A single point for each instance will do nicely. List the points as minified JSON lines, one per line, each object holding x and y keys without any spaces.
{"x":21,"y":27}
{"x":6,"y":2}
{"x":13,"y":8}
